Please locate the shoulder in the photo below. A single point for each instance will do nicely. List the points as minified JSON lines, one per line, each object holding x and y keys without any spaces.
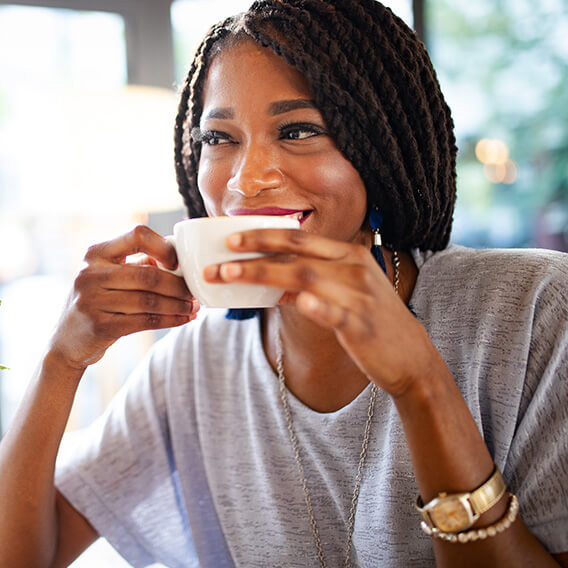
{"x":521,"y":272}
{"x":511,"y":295}
{"x":529,"y":261}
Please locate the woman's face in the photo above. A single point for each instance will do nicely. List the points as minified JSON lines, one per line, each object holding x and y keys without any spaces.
{"x":265,"y":148}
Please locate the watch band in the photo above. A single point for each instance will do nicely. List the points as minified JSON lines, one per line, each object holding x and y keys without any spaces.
{"x":484,"y":497}
{"x":470,"y":505}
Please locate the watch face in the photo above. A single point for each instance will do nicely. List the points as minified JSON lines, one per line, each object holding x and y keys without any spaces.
{"x":451,"y":514}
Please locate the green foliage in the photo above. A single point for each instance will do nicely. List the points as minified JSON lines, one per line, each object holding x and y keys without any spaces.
{"x":505,"y":66}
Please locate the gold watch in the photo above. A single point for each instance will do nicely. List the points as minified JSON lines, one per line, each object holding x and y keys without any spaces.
{"x":458,"y":511}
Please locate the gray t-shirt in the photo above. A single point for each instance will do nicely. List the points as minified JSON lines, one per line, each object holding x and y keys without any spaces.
{"x":191,"y":465}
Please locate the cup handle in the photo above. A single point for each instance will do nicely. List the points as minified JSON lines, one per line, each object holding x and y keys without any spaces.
{"x":178,"y":271}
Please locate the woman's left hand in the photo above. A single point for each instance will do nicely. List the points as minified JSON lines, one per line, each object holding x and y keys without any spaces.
{"x":340,"y":286}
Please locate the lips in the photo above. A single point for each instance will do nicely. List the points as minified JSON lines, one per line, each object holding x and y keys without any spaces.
{"x":299,"y":214}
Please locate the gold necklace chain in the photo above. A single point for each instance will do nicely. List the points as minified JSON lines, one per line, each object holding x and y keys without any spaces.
{"x":296,"y":448}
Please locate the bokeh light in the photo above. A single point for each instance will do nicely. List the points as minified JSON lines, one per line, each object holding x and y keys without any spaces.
{"x":497,"y":165}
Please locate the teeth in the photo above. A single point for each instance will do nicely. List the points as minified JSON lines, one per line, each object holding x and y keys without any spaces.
{"x":296,"y":216}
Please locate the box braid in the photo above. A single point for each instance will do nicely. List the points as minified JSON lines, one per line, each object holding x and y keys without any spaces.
{"x":378,"y":93}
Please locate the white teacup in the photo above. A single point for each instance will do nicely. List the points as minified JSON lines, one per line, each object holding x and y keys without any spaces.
{"x":201,"y":242}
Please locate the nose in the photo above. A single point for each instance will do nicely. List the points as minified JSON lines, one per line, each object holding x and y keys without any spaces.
{"x":256,"y":171}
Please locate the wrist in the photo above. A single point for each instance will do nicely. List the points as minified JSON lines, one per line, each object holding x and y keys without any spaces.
{"x":422,"y":374}
{"x":457,"y":512}
{"x":56,"y":363}
{"x":428,"y":388}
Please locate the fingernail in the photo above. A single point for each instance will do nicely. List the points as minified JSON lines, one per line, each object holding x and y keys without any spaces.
{"x":235,"y":240}
{"x":230,"y":271}
{"x":310,"y":301}
{"x":210,"y":272}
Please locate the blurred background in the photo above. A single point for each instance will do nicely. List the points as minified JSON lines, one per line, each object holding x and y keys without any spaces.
{"x":87,"y":105}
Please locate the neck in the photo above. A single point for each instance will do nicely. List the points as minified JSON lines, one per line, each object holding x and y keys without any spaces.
{"x":318,"y":371}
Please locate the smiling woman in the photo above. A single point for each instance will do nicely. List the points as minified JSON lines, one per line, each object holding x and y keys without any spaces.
{"x":265,"y":144}
{"x":388,"y":412}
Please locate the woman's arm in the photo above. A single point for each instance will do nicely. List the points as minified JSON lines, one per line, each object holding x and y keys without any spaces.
{"x":340,"y":286}
{"x":450,"y":456}
{"x":38,"y":527}
{"x":30,"y":519}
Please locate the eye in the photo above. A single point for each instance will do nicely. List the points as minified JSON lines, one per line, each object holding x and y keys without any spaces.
{"x":300,"y":131}
{"x":210,"y":137}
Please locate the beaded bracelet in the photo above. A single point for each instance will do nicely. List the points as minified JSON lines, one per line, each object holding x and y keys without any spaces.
{"x":478,"y":534}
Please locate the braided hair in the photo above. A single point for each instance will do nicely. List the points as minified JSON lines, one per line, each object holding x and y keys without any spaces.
{"x":378,"y":93}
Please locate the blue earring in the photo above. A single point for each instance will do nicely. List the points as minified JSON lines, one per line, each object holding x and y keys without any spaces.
{"x":376,"y":222}
{"x":242,"y":313}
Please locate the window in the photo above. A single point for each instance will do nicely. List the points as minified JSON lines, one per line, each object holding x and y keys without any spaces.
{"x":83,"y":157}
{"x":190,"y":21}
{"x":192,"y":18}
{"x":63,"y":90}
{"x":53,"y":65}
{"x":504,"y":69}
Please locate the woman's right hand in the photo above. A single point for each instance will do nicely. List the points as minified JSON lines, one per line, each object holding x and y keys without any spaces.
{"x":112,"y":297}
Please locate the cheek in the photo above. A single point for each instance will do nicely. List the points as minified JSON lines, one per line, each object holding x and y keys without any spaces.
{"x":337,"y":180}
{"x":211,"y":182}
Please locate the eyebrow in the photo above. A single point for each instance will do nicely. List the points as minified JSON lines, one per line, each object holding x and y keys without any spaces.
{"x":278,"y":107}
{"x":224,"y":113}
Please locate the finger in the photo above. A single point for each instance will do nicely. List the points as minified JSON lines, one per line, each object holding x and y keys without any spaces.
{"x":141,"y":259}
{"x":288,"y":299}
{"x":141,"y":239}
{"x":136,"y":302}
{"x":357,"y":314}
{"x":293,"y":241}
{"x":115,"y":325}
{"x":297,"y":274}
{"x":378,"y":337}
{"x":213,"y":274}
{"x":346,"y":311}
{"x":133,"y":277}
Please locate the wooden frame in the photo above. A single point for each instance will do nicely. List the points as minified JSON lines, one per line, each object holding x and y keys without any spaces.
{"x":148,"y":31}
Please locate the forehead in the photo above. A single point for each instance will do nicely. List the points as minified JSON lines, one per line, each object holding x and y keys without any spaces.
{"x":254,"y":74}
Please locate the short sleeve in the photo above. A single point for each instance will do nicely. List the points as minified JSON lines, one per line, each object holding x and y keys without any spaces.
{"x":120,"y":474}
{"x":537,"y":466}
